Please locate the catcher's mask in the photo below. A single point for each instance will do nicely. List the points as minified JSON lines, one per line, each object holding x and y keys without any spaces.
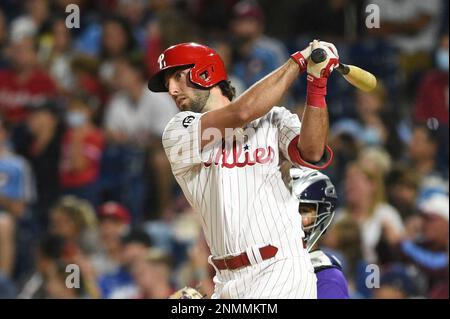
{"x":207,"y":68}
{"x":314,"y":188}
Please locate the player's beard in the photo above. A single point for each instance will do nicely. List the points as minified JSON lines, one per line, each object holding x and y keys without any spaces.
{"x":199,"y":101}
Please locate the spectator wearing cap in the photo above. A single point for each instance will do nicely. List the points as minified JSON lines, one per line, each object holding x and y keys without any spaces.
{"x":82,"y":148}
{"x":17,"y":193}
{"x":32,"y":21}
{"x":429,"y":251}
{"x":114,"y":221}
{"x":40,"y":144}
{"x":258,"y":54}
{"x":119,"y":284}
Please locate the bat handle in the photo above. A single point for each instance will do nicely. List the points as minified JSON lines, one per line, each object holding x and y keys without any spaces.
{"x":343,"y":69}
{"x":318,"y":55}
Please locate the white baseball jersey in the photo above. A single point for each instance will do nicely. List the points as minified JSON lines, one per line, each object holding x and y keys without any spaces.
{"x":237,"y":188}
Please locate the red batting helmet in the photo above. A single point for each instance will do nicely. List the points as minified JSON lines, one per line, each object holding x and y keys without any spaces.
{"x":207,"y":66}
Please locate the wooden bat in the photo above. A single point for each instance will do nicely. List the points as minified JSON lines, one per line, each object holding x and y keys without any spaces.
{"x":356,"y":76}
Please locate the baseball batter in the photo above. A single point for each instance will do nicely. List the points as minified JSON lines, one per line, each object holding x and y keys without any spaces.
{"x":225,"y":155}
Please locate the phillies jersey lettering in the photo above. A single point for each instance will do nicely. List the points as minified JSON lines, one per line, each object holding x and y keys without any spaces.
{"x":258,"y":156}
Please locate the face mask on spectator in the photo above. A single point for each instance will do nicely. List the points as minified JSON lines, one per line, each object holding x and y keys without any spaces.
{"x":442,"y":59}
{"x":75,"y":119}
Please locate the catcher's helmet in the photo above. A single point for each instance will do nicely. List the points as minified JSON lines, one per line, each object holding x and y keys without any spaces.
{"x":313,"y":187}
{"x":207,"y":70}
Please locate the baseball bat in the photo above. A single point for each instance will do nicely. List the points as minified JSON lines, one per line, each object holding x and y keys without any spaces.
{"x":356,"y":76}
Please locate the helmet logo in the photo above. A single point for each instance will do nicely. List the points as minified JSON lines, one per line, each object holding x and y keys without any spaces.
{"x":162,"y":61}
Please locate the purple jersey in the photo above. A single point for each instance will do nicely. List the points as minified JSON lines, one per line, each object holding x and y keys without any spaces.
{"x":331,"y":283}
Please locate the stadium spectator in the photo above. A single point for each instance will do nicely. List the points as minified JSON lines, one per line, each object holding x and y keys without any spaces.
{"x":432,"y":95}
{"x":412,"y":28}
{"x":119,"y":284}
{"x":432,"y":102}
{"x":82,"y":147}
{"x":258,"y":54}
{"x":17,"y":193}
{"x":24,"y":83}
{"x":365,"y":204}
{"x":55,"y":53}
{"x":40,"y":144}
{"x":117,"y":41}
{"x":114,"y":220}
{"x":134,"y":121}
{"x":152,"y":274}
{"x":396,"y":282}
{"x":402,"y":185}
{"x":422,"y":155}
{"x":49,"y":252}
{"x":75,"y":221}
{"x":430,"y":251}
{"x":32,"y":21}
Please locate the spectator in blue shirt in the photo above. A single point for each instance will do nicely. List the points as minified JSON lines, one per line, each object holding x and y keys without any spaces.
{"x":16,"y":194}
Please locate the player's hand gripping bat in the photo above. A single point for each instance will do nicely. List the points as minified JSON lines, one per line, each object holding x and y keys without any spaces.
{"x":356,"y":76}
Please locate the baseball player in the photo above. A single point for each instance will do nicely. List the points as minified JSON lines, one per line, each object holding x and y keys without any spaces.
{"x":317,"y":197}
{"x":225,"y":155}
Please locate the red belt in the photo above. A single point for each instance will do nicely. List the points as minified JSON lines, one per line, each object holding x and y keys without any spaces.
{"x":242,"y":260}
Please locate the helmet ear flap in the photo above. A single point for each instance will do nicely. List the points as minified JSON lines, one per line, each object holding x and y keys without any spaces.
{"x":203,"y":75}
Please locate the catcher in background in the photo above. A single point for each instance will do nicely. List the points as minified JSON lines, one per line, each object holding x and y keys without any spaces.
{"x":317,"y":196}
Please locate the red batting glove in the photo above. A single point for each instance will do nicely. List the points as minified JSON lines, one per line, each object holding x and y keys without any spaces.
{"x":301,"y":58}
{"x":318,"y":76}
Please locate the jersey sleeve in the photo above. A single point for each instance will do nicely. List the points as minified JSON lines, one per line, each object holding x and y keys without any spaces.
{"x":181,"y":141}
{"x":289,"y":133}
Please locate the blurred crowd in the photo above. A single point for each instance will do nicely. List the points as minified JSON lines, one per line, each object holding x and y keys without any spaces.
{"x":84,"y":179}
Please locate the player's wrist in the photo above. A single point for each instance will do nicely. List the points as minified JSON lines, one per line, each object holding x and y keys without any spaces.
{"x":316,"y":91}
{"x":302,"y":61}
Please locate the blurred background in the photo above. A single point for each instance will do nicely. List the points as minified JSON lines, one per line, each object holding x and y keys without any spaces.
{"x":84,"y":180}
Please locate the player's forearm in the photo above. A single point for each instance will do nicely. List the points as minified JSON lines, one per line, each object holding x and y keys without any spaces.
{"x":313,"y":134}
{"x":262,"y":96}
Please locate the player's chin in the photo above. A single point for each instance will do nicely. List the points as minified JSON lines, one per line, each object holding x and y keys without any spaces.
{"x":184,"y":105}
